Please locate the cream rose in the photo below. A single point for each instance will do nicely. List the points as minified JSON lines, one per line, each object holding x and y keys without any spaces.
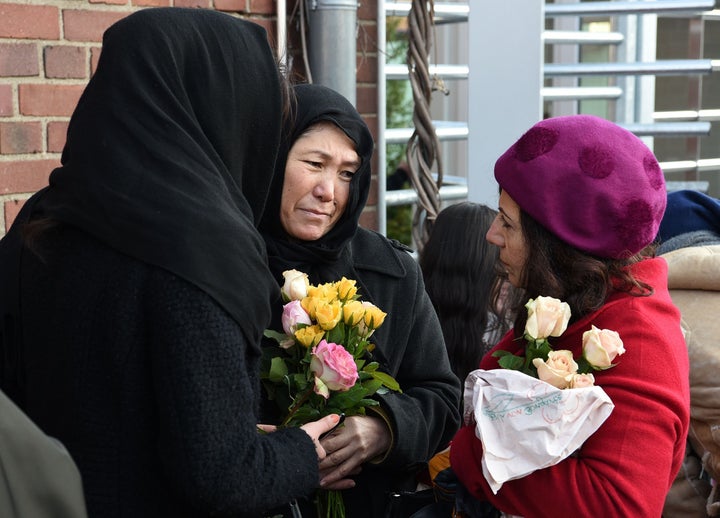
{"x":601,"y":347}
{"x":558,"y":369}
{"x":582,"y":380}
{"x":296,"y":285}
{"x":547,"y":316}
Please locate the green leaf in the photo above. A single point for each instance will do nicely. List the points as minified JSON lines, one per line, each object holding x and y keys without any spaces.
{"x":372,"y":385}
{"x":510,"y":361}
{"x":278,"y":337}
{"x":387,"y":380}
{"x":278,"y":370}
{"x":500,"y":353}
{"x":372,"y":366}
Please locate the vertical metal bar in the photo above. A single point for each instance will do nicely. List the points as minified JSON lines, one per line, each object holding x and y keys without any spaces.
{"x":380,"y":144}
{"x":695,"y":50}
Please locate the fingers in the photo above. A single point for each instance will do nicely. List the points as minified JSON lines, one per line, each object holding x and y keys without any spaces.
{"x":267,"y":428}
{"x":338,"y":477}
{"x":316,"y":428}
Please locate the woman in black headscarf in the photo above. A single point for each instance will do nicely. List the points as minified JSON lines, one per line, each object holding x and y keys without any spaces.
{"x":135,"y":286}
{"x":310,"y":224}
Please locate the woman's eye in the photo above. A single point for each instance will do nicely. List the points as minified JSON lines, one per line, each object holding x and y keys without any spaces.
{"x":311,"y":163}
{"x":347,"y":174}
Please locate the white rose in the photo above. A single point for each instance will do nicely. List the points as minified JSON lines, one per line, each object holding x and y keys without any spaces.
{"x":296,"y":285}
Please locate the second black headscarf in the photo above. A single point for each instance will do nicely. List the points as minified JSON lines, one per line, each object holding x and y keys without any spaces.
{"x":314,"y":104}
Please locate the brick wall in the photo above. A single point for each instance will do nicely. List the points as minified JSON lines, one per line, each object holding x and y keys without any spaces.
{"x":48,"y":50}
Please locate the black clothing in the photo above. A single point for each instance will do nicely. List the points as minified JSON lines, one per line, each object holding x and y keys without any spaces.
{"x":151,"y":386}
{"x":135,"y":327}
{"x":410,"y":346}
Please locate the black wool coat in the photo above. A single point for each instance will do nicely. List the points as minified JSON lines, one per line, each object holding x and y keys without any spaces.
{"x":151,"y":386}
{"x":411,"y":348}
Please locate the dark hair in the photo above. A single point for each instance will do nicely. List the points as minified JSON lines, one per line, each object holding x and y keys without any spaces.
{"x":557,"y":269}
{"x":458,"y":266}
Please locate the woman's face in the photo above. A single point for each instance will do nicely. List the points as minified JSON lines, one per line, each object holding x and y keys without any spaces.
{"x":506,"y":233}
{"x":319,"y":167}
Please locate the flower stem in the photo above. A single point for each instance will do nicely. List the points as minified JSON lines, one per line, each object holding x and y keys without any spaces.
{"x":299,"y":402}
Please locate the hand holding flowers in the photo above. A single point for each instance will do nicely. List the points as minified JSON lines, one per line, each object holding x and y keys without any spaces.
{"x":549,"y":317}
{"x":323,"y":364}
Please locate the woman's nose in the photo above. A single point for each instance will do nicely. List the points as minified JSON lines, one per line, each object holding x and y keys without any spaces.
{"x":493,"y":236}
{"x":325,"y":188}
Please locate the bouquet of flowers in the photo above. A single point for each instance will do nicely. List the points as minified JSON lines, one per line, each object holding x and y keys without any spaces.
{"x":523,"y":416}
{"x":322,"y":363}
{"x":548,"y":317}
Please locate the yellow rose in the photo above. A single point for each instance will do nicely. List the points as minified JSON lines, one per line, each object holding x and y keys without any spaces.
{"x":353,"y":312}
{"x":327,"y":292}
{"x":346,"y":288}
{"x":309,"y":336}
{"x":328,"y":314}
{"x":601,"y":347}
{"x":558,"y":369}
{"x":309,"y":304}
{"x":374,"y":316}
{"x":546,"y":317}
{"x":296,"y":285}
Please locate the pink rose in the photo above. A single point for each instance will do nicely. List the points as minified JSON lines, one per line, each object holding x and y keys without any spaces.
{"x":558,"y":369}
{"x":334,"y":367}
{"x":601,"y":347}
{"x":292,"y":315}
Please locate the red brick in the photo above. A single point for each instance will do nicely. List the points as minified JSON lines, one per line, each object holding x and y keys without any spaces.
{"x":19,"y":59}
{"x":372,"y":123}
{"x":6,"y":100}
{"x":366,"y":100}
{"x":151,"y":3}
{"x":372,"y":195}
{"x":231,"y":6}
{"x":44,"y":99}
{"x":205,"y":4}
{"x":25,"y":176}
{"x":366,"y":68}
{"x":109,"y":2}
{"x":94,"y":56}
{"x":56,"y":135}
{"x":367,"y":39}
{"x":262,"y":6}
{"x":12,"y":208}
{"x":29,"y":21}
{"x":85,"y":25}
{"x":367,"y":10}
{"x":65,"y":62}
{"x":20,"y":137}
{"x":369,"y":218}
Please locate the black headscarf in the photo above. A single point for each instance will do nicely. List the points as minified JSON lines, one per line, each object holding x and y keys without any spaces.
{"x":314,"y":104}
{"x":170,"y":152}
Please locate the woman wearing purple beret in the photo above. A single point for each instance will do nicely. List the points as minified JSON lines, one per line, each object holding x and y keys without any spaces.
{"x":581,"y":200}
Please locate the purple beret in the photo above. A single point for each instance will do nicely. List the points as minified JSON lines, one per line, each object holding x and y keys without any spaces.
{"x":590,"y":182}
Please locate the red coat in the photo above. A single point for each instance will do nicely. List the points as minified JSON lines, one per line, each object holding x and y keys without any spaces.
{"x":627,"y":466}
